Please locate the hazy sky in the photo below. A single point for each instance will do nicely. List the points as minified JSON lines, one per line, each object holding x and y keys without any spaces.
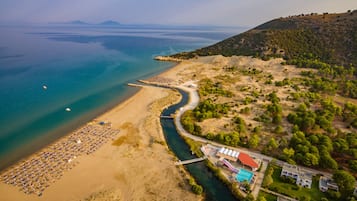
{"x":178,"y":12}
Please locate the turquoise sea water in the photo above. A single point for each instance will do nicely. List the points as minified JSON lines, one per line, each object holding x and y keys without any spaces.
{"x":84,"y":68}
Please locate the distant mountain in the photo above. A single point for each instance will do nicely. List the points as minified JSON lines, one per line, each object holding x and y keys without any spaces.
{"x":78,"y":22}
{"x":105,"y":23}
{"x":110,"y":23}
{"x":331,"y":38}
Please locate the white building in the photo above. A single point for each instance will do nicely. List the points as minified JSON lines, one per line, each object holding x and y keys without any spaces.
{"x":326,"y":184}
{"x":228,"y":154}
{"x":302,"y":178}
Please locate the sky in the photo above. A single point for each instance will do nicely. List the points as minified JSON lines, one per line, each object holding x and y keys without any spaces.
{"x":173,"y":12}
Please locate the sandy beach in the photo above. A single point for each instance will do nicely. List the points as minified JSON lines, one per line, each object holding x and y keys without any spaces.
{"x":134,"y":164}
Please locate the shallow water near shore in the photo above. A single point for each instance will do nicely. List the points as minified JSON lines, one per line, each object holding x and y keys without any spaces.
{"x":83,"y":68}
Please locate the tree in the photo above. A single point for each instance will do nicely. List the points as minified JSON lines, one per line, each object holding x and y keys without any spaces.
{"x":326,"y":142}
{"x":353,"y":165}
{"x":341,"y":145}
{"x":279,"y":130}
{"x":307,"y":123}
{"x":283,"y":143}
{"x":253,"y":141}
{"x":326,"y":161}
{"x":273,"y":97}
{"x":345,"y":182}
{"x":288,"y":153}
{"x":305,"y":198}
{"x":261,"y":198}
{"x":240,"y":124}
{"x":235,"y":138}
{"x":197,"y":189}
{"x":257,"y":129}
{"x":352,"y":198}
{"x":314,"y":139}
{"x":268,"y":180}
{"x":310,"y":160}
{"x":246,"y":186}
{"x":272,"y":144}
{"x":249,"y":197}
{"x":277,"y":119}
{"x":334,"y":195}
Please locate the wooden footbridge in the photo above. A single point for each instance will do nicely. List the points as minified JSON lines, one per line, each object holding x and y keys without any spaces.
{"x":191,"y":161}
{"x":167,"y":117}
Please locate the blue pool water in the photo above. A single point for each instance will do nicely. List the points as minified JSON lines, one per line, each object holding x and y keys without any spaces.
{"x":244,"y":175}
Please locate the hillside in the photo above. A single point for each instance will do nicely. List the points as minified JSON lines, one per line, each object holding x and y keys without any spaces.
{"x":331,"y":38}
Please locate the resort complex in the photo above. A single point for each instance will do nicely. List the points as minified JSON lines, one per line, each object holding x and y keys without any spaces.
{"x":241,"y":169}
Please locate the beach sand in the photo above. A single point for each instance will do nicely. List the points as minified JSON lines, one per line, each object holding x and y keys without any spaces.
{"x":137,"y":165}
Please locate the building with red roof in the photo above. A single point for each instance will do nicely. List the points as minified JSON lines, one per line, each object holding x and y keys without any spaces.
{"x":246,"y":160}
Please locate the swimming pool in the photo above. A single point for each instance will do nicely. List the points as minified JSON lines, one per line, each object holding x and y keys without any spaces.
{"x":244,"y":175}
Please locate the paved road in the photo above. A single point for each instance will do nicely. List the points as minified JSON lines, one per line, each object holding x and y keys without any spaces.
{"x":259,"y":182}
{"x":278,"y":194}
{"x":193,"y":102}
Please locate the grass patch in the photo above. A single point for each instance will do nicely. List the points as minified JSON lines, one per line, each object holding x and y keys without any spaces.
{"x":267,"y":196}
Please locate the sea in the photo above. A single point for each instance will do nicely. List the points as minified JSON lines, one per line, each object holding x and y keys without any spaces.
{"x":45,"y":69}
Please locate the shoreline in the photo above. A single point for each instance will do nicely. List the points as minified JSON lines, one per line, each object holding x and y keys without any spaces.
{"x":41,"y":142}
{"x":140,"y":137}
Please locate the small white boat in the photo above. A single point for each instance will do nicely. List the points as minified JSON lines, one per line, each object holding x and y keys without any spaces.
{"x":68,"y":109}
{"x":44,"y":87}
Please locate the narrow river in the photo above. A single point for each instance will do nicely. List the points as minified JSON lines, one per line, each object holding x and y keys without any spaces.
{"x":214,"y":189}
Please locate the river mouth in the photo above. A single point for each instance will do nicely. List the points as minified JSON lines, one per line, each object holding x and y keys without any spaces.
{"x":214,"y":189}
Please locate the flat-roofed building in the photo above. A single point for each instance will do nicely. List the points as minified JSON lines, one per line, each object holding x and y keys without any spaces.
{"x":326,"y":184}
{"x":290,"y":171}
{"x":228,"y":154}
{"x":248,"y":161}
{"x":303,"y":179}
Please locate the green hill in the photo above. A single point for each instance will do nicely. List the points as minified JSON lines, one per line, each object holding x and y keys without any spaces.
{"x":331,"y":38}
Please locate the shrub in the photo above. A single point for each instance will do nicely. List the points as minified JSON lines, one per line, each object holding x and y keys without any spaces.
{"x":197,"y":189}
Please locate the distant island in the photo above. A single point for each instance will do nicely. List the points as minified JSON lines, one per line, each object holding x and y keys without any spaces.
{"x":109,"y":23}
{"x":104,"y":23}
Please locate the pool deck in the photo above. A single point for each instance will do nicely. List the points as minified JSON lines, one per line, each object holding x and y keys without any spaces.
{"x":243,"y":175}
{"x":210,"y":151}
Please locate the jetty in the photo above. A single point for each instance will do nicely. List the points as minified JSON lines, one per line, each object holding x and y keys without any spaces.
{"x":135,"y":85}
{"x":167,"y":117}
{"x":191,"y":161}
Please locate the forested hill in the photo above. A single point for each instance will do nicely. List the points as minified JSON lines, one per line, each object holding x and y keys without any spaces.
{"x":331,"y":38}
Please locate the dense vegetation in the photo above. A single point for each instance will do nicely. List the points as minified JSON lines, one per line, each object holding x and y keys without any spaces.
{"x":310,"y":119}
{"x":207,"y":86}
{"x":331,"y":38}
{"x":329,"y":78}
